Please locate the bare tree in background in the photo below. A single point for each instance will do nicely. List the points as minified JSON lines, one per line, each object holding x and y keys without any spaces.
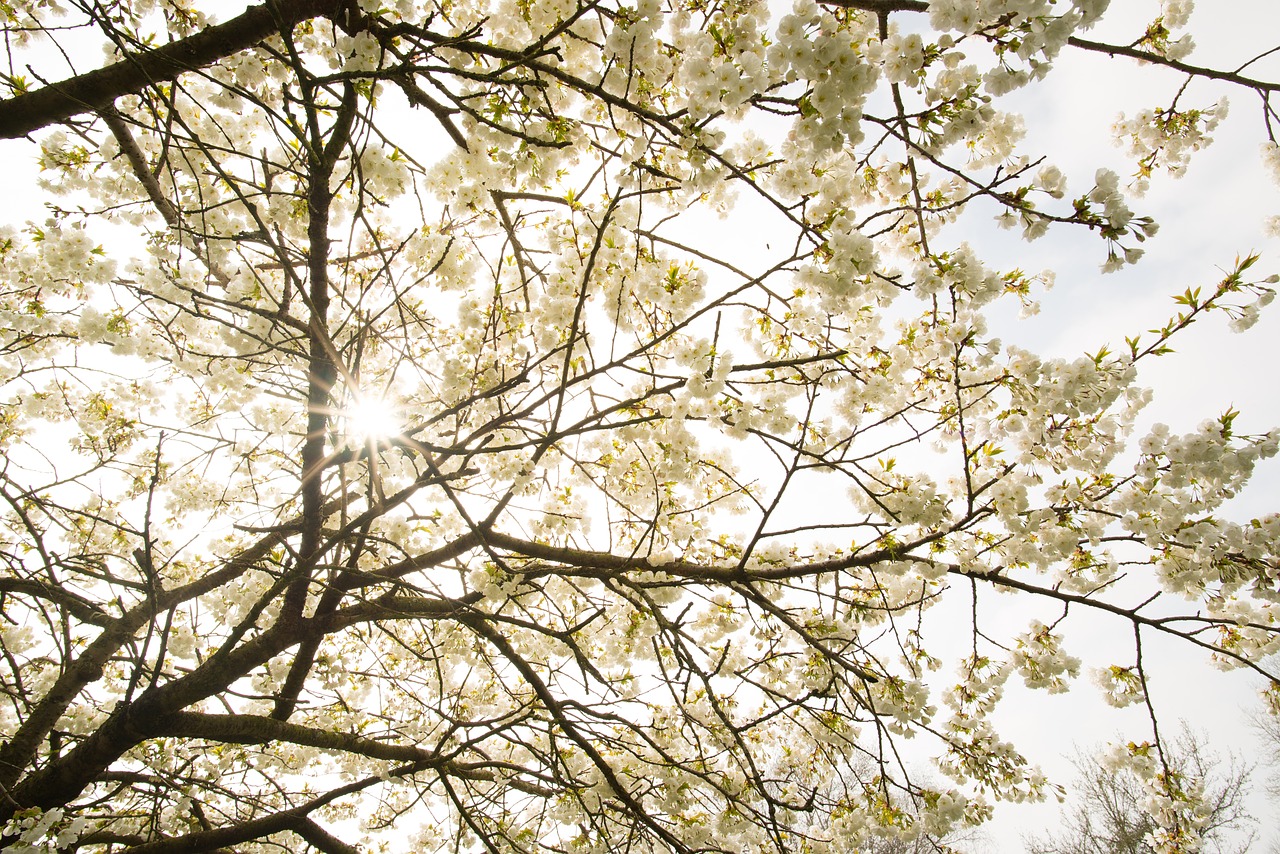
{"x":1112,"y":811}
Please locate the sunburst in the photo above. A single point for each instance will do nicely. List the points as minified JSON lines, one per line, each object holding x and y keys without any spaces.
{"x":371,"y":418}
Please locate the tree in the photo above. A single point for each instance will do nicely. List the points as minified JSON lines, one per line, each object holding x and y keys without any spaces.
{"x":1115,"y":813}
{"x":394,"y":450}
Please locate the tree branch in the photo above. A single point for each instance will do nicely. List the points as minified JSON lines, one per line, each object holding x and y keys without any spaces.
{"x":78,"y":607}
{"x":259,"y":729}
{"x":98,"y":89}
{"x":1157,"y":59}
{"x":321,"y":839}
{"x":220,"y":838}
{"x":880,"y":7}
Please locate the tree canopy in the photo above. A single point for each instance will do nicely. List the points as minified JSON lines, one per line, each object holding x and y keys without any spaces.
{"x":486,"y":425}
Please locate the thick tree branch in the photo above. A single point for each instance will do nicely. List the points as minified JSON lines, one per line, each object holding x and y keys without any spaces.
{"x":322,"y":376}
{"x":294,"y":820}
{"x":97,"y":90}
{"x":604,"y":564}
{"x":258,"y":729}
{"x":138,"y":163}
{"x":78,"y":607}
{"x":880,"y":6}
{"x":321,"y":839}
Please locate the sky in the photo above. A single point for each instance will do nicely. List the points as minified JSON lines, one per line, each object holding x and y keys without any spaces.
{"x":1207,"y":217}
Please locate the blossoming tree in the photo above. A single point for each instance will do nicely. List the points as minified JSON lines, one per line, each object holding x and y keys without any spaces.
{"x":395,"y":449}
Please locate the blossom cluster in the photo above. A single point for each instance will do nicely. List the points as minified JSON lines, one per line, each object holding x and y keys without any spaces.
{"x":1167,"y":138}
{"x":811,"y":45}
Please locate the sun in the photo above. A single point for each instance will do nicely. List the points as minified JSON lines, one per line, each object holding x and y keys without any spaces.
{"x":372,"y":418}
